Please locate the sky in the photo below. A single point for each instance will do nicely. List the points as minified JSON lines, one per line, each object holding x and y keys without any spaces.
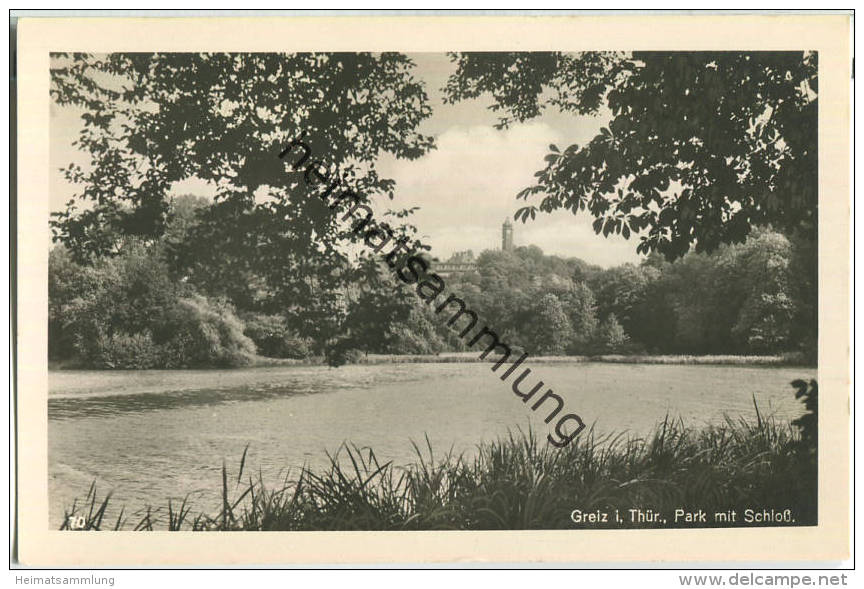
{"x":464,"y":189}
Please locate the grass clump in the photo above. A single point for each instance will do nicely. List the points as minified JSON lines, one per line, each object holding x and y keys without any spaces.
{"x":520,"y":482}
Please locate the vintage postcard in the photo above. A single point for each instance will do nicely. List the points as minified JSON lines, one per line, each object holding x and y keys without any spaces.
{"x":531,"y":289}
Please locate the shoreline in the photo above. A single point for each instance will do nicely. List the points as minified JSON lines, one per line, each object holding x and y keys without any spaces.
{"x":708,"y":359}
{"x":785,"y":360}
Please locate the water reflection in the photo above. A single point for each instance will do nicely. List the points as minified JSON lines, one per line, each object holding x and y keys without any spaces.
{"x":109,"y":405}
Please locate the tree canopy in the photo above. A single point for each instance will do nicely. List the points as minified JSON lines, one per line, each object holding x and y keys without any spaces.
{"x":700,"y":149}
{"x":154,"y":119}
{"x":700,"y":146}
{"x":151,"y":120}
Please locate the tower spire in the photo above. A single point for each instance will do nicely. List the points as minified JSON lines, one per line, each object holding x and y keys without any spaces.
{"x":507,"y":236}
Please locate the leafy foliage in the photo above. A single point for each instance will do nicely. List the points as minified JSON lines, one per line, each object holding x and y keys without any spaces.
{"x":101,"y":313}
{"x":739,"y":300}
{"x":128,"y":312}
{"x":611,"y":337}
{"x":199,"y":332}
{"x":419,"y":333}
{"x":808,"y":423}
{"x":550,"y":331}
{"x":267,"y":243}
{"x":129,"y":351}
{"x":700,"y":146}
{"x":273,"y":338}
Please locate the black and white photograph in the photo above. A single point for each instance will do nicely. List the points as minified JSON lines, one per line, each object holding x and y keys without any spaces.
{"x":414,"y":291}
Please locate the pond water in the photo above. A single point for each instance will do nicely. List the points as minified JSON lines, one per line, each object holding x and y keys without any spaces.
{"x":153,"y":435}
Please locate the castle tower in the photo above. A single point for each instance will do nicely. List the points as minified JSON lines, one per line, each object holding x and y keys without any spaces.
{"x":507,"y":236}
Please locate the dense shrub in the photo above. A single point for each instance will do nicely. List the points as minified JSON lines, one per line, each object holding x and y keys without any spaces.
{"x":808,"y":424}
{"x":128,"y":311}
{"x":611,"y":337}
{"x":102,"y":315}
{"x":266,"y":331}
{"x":65,"y":284}
{"x":742,"y":299}
{"x":294,"y":347}
{"x":417,"y":335}
{"x":273,"y":338}
{"x":132,"y":351}
{"x":199,"y":332}
{"x":747,"y":298}
{"x":549,"y":331}
{"x":341,"y":352}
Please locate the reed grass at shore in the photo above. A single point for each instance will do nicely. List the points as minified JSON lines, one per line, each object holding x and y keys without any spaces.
{"x":518,"y":482}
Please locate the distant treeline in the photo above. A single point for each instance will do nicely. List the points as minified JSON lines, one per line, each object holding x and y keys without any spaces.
{"x":749,"y":298}
{"x":192,"y":298}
